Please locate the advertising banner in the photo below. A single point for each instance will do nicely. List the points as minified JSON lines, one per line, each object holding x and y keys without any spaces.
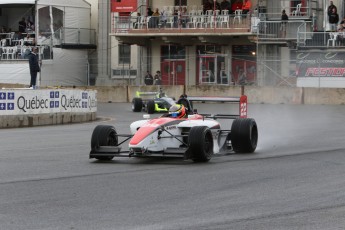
{"x":124,"y":6}
{"x":320,"y":64}
{"x":28,"y":101}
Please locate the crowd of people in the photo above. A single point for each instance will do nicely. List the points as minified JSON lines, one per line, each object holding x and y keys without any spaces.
{"x":181,"y":15}
{"x":150,"y":80}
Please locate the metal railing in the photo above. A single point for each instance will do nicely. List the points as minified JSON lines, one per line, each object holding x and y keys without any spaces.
{"x":274,"y":30}
{"x":321,"y":39}
{"x":170,"y":24}
{"x":74,"y":36}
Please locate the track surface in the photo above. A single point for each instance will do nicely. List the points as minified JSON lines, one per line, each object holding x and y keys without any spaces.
{"x":295,"y":179}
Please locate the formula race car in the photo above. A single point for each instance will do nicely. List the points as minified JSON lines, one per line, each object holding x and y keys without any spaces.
{"x":197,"y":137}
{"x":159,"y":102}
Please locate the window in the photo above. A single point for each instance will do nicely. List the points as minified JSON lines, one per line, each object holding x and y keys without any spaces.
{"x":173,"y":52}
{"x":124,"y":54}
{"x":180,"y":2}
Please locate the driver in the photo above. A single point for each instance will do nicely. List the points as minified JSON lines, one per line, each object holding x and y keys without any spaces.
{"x":177,"y":111}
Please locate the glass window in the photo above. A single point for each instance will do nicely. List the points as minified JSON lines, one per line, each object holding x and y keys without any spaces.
{"x":124,"y":54}
{"x":173,"y":52}
{"x":180,"y":2}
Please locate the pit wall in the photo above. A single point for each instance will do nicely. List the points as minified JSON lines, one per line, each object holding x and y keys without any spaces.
{"x":256,"y":95}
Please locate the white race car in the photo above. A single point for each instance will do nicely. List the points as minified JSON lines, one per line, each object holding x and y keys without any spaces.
{"x":197,"y":137}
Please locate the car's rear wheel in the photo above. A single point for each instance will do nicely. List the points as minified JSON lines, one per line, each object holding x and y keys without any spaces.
{"x":151,"y":107}
{"x":103,"y":135}
{"x":137,"y":104}
{"x":244,"y":135}
{"x":200,"y":144}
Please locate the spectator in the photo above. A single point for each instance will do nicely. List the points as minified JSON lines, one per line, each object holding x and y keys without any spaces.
{"x":340,"y":37}
{"x":22,"y":25}
{"x":330,"y":8}
{"x":184,"y":17}
{"x":283,"y":24}
{"x":155,"y":18}
{"x":237,"y":5}
{"x":225,"y":5}
{"x":163,"y":18}
{"x":246,"y":6}
{"x":176,"y":18}
{"x":157,"y":78}
{"x":30,"y":27}
{"x":333,"y":19}
{"x":34,"y":67}
{"x":149,"y":12}
{"x":207,"y":6}
{"x":148,"y":80}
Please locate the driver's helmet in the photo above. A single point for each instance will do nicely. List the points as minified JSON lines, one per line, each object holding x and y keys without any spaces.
{"x":177,"y":110}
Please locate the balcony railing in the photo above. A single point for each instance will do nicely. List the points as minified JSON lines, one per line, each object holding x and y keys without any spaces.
{"x":321,"y":40}
{"x":273,"y":31}
{"x":176,"y":24}
{"x":70,"y":36}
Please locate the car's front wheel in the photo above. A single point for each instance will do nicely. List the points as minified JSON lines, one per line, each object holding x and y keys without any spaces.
{"x":104,"y":135}
{"x":200,"y":144}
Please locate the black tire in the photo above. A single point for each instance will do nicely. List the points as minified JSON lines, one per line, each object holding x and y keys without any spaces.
{"x":137,"y":104}
{"x":244,"y":135}
{"x":151,"y":107}
{"x":200,"y":144}
{"x":104,"y":135}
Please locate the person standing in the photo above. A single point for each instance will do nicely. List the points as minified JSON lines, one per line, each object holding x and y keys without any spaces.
{"x":22,"y":25}
{"x":283,"y":24}
{"x":246,"y":7}
{"x":331,"y":7}
{"x":34,"y":66}
{"x":158,"y":78}
{"x":333,"y":19}
{"x":148,"y":78}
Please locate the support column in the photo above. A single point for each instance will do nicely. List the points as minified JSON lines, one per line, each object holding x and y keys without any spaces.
{"x":103,"y":51}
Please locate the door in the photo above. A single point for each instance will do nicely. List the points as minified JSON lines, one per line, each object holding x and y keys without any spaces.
{"x":173,"y":72}
{"x":207,"y":69}
{"x":213,"y":69}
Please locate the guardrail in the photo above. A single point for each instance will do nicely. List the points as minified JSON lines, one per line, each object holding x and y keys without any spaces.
{"x":274,"y":30}
{"x":176,"y":24}
{"x":321,"y":39}
{"x":66,"y":35}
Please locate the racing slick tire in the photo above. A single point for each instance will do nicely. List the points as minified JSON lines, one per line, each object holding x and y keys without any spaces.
{"x":244,"y":135}
{"x":137,"y":104}
{"x":200,"y":144}
{"x":104,"y":135}
{"x":151,"y":107}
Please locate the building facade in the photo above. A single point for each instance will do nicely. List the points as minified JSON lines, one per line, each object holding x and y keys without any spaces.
{"x":196,"y":43}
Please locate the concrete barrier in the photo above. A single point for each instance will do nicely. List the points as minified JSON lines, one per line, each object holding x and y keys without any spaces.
{"x":16,"y":121}
{"x":22,"y":107}
{"x":256,"y":95}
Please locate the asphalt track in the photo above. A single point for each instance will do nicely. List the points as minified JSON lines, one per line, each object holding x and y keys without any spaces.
{"x":295,"y":179}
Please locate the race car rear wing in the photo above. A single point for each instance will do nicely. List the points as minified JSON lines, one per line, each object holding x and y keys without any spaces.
{"x":242,"y":101}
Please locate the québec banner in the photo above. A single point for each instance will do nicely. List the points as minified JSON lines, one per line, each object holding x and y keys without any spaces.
{"x":28,"y":101}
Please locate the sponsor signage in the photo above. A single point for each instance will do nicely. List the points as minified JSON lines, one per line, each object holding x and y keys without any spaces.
{"x":23,"y":102}
{"x":321,"y":64}
{"x":123,"y":5}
